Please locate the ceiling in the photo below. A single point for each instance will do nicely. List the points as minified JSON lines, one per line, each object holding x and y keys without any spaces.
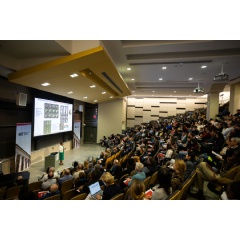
{"x":32,"y":62}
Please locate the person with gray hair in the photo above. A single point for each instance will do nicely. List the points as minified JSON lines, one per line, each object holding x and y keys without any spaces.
{"x":139,"y":175}
{"x":53,"y":191}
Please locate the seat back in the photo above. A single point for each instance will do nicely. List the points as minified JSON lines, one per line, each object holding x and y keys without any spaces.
{"x":146,"y":181}
{"x":66,"y":185}
{"x":187,"y":184}
{"x":119,"y":196}
{"x":12,"y":193}
{"x":176,"y":195}
{"x":55,"y":197}
{"x":123,"y":177}
{"x":69,"y":194}
{"x":34,"y":185}
{"x":81,"y":196}
{"x":126,"y":194}
{"x":153,"y":179}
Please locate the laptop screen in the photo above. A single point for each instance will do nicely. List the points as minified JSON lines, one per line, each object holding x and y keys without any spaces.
{"x":94,"y":188}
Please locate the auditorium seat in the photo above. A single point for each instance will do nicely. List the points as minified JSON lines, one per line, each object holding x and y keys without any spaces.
{"x":119,"y":196}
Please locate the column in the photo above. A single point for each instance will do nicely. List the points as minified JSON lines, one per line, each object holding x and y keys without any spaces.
{"x":212,"y":105}
{"x":234,"y":103}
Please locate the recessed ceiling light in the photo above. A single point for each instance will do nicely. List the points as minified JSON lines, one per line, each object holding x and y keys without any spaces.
{"x":129,"y":69}
{"x":85,"y":97}
{"x":174,"y":91}
{"x":74,"y":75}
{"x":111,"y":97}
{"x":160,"y":79}
{"x":95,"y":100}
{"x":190,"y":79}
{"x":70,"y":92}
{"x":153,"y":91}
{"x":103,"y":92}
{"x":132,"y":79}
{"x":92,"y":86}
{"x":45,"y":84}
{"x":164,"y":68}
{"x":203,"y":66}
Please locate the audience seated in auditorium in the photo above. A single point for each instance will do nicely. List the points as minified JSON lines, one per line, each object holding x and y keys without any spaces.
{"x":49,"y":182}
{"x":163,"y":188}
{"x":150,"y":166}
{"x":177,"y":177}
{"x":140,"y":175}
{"x":137,"y":190}
{"x":94,"y":176}
{"x":81,"y":181}
{"x":111,"y":189}
{"x":66,"y":176}
{"x":191,"y":163}
{"x":116,"y":169}
{"x":77,"y":171}
{"x":52,"y":192}
{"x":45,"y":175}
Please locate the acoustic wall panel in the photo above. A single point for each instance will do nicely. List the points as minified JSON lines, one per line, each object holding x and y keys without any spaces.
{"x":138,"y":111}
{"x":130,"y":112}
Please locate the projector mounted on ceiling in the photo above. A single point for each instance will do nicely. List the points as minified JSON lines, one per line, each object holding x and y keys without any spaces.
{"x":198,"y":89}
{"x":221,"y":76}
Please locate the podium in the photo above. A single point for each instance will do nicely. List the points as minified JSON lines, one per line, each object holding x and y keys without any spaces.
{"x":50,"y":160}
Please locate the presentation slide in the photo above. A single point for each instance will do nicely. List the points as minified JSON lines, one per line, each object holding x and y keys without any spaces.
{"x":51,"y":117}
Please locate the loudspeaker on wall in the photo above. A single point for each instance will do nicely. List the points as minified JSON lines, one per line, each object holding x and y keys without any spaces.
{"x":21,"y":99}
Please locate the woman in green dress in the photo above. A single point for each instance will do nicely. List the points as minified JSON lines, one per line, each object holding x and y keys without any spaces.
{"x":61,"y":153}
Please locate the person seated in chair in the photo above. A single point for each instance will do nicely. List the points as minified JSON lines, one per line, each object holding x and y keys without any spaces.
{"x":140,"y":175}
{"x":66,"y":176}
{"x":53,"y":191}
{"x":163,"y":188}
{"x":49,"y":181}
{"x":111,"y":188}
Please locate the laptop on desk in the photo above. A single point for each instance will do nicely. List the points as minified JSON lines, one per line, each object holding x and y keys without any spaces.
{"x":95,"y":189}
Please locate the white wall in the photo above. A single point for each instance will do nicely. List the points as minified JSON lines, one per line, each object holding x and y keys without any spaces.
{"x":141,"y":110}
{"x":110,"y":118}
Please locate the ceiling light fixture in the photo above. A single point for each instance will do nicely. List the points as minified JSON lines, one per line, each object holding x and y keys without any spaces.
{"x":45,"y":84}
{"x":73,"y":75}
{"x":111,"y":97}
{"x":203,"y":66}
{"x":164,"y":68}
{"x":133,"y":91}
{"x":85,"y":97}
{"x":129,"y":69}
{"x":70,"y":92}
{"x":95,"y":100}
{"x":153,"y":91}
{"x":92,"y":86}
{"x":160,"y":79}
{"x":132,"y":79}
{"x":103,"y":92}
{"x":174,"y":91}
{"x":190,"y":79}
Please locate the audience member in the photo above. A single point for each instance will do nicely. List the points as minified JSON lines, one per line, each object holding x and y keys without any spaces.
{"x":163,"y":188}
{"x":49,"y":182}
{"x":53,"y":191}
{"x":111,"y":188}
{"x":137,"y":190}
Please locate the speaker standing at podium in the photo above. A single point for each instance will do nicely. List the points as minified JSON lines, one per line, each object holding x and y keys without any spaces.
{"x":61,"y":153}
